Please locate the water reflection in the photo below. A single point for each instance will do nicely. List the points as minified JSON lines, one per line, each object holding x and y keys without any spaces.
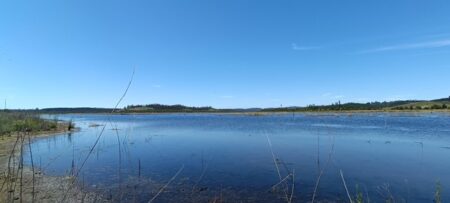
{"x":272,"y":158}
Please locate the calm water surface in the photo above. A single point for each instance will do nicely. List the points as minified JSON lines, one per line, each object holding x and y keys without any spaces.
{"x":228,"y":157}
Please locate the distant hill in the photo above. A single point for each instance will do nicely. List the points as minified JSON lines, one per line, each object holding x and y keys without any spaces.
{"x":160,"y":108}
{"x":401,"y":105}
{"x":346,"y":106}
{"x":443,"y":103}
{"x":436,"y":104}
{"x":74,"y":110}
{"x":442,"y":100}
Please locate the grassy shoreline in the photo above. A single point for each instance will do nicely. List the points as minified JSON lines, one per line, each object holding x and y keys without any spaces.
{"x":29,"y":183}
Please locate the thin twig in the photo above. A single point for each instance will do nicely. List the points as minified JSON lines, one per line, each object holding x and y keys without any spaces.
{"x":293,"y":185}
{"x":21,"y":169}
{"x":167,"y":184}
{"x":200,"y":178}
{"x":98,"y":139}
{"x":281,"y":181}
{"x":120,"y":160}
{"x":104,"y":126}
{"x":273,"y":157}
{"x":32,"y":165}
{"x":276,"y":165}
{"x":139,"y":169}
{"x":345,"y":186}
{"x":11,"y":155}
{"x":322,"y":171}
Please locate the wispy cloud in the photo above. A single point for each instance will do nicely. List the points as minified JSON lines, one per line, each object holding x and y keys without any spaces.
{"x":421,"y":45}
{"x":304,"y":48}
{"x":156,"y":86}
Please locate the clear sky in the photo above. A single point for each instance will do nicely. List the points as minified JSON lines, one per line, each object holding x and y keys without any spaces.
{"x":229,"y":53}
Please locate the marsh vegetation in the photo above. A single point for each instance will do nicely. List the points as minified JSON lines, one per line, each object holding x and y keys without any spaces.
{"x":27,"y":183}
{"x":15,"y":122}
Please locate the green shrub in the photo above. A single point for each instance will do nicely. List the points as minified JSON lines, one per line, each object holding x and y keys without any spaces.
{"x":435,"y":106}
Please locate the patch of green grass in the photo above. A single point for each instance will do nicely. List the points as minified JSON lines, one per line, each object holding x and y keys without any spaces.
{"x":12,"y":122}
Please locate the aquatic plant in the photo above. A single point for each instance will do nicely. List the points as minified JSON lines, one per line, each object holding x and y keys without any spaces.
{"x":70,"y":125}
{"x":345,"y":186}
{"x":437,"y":193}
{"x":359,"y":196}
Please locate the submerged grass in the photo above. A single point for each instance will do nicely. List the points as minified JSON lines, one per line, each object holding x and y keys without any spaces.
{"x":437,"y":193}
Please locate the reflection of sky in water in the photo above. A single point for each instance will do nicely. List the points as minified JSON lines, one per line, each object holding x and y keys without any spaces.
{"x":405,"y":151}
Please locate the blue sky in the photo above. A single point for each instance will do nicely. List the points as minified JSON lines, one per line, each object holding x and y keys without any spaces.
{"x":226,"y":53}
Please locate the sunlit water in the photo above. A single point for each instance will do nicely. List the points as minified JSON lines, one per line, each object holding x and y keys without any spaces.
{"x":228,"y":157}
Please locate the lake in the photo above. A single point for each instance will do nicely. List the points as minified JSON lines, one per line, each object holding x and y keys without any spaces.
{"x":254,"y":158}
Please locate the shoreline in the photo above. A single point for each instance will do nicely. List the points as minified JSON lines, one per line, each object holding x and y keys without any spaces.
{"x":28,"y":184}
{"x":261,"y":113}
